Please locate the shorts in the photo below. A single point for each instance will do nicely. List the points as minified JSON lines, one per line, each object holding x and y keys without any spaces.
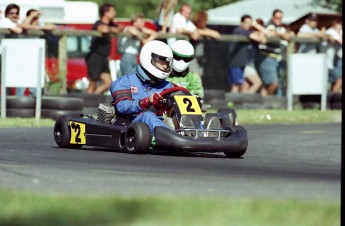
{"x":249,"y":70}
{"x":96,"y":65}
{"x":236,"y":75}
{"x":336,"y":72}
{"x":267,"y":68}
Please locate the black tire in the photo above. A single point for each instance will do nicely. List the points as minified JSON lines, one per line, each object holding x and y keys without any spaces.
{"x":62,"y":133}
{"x":22,"y":113}
{"x":138,"y":138}
{"x":225,"y":119}
{"x":208,"y":116}
{"x":20,"y":102}
{"x":55,"y":114}
{"x":62,"y":103}
{"x":236,"y":154}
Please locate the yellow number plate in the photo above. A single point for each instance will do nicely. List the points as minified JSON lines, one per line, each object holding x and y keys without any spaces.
{"x":188,"y":105}
{"x":77,"y":133}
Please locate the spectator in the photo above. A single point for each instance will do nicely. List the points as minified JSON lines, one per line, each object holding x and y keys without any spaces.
{"x":166,"y":12}
{"x":14,"y":28}
{"x":200,"y":20}
{"x":183,"y":53}
{"x":269,"y":56}
{"x":183,"y":25}
{"x":12,"y":13}
{"x":309,"y":30}
{"x":137,"y":95}
{"x":140,"y":35}
{"x":7,"y":23}
{"x":32,"y":21}
{"x":97,"y":58}
{"x":252,"y":81}
{"x":334,"y":55}
{"x":238,"y":52}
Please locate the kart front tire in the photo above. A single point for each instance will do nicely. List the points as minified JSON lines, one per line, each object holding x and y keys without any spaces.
{"x":138,"y":138}
{"x":234,"y":155}
{"x":62,"y":133}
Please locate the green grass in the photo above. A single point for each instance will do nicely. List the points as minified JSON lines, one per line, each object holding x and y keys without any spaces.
{"x":29,"y":209}
{"x":245,"y":117}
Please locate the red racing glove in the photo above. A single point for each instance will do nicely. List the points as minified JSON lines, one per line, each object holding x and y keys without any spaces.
{"x":153,"y":99}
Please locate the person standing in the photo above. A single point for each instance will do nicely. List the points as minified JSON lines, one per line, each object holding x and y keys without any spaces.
{"x":269,"y":56}
{"x":183,"y":25}
{"x":334,"y":53}
{"x":140,"y":35}
{"x":309,"y":30}
{"x":166,"y":12}
{"x":97,"y":58}
{"x":238,"y":52}
{"x":200,"y":19}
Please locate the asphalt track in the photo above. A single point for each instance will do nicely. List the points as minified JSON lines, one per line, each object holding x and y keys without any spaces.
{"x":282,"y":161}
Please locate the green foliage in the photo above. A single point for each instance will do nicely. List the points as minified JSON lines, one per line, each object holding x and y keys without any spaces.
{"x":336,"y":5}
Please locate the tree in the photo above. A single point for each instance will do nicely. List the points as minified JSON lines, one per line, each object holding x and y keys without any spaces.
{"x":336,"y":5}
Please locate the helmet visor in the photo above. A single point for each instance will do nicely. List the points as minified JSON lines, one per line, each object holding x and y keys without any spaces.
{"x":162,"y":63}
{"x":184,"y":58}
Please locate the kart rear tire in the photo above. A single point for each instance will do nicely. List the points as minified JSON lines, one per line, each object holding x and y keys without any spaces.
{"x":62,"y":133}
{"x":138,"y":138}
{"x":225,"y":120}
{"x":208,"y":116}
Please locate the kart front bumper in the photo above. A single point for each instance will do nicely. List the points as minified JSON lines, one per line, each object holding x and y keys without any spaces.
{"x":235,"y":142}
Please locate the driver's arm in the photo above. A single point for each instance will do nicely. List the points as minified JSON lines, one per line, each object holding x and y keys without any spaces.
{"x":122,"y":96}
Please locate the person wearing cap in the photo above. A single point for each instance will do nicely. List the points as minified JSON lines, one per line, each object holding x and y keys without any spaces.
{"x":310,"y":30}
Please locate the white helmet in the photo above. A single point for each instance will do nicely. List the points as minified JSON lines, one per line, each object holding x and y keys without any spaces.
{"x":183,"y":53}
{"x":155,"y":61}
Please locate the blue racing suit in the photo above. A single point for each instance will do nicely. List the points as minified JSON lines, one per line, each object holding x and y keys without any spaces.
{"x":128,"y":90}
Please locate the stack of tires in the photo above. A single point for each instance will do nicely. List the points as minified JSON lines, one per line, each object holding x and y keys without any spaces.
{"x":55,"y":106}
{"x":91,"y":101}
{"x":22,"y":107}
{"x":52,"y":106}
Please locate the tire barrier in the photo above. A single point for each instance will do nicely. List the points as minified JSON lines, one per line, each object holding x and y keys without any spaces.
{"x":91,"y":101}
{"x":20,"y":106}
{"x":55,"y":113}
{"x":52,"y":106}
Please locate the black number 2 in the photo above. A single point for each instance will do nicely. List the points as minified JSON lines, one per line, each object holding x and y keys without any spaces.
{"x":189,"y":106}
{"x":76,"y":128}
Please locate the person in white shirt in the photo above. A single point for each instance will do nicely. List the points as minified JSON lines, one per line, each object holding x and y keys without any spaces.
{"x":183,"y":25}
{"x":310,"y":30}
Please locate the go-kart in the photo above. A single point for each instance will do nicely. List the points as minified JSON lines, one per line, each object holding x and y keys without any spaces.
{"x":188,"y":131}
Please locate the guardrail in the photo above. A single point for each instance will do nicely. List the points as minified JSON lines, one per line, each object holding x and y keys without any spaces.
{"x":63,"y":33}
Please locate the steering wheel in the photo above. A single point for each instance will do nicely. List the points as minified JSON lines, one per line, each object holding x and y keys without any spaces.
{"x":175,"y":89}
{"x":165,"y":104}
